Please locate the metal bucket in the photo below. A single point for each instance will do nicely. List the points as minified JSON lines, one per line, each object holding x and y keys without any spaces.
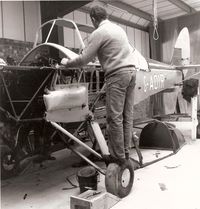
{"x":87,"y":178}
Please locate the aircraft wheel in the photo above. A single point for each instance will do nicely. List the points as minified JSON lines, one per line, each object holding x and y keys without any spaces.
{"x":119,"y":180}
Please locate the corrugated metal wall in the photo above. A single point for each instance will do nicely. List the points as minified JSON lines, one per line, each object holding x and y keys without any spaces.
{"x":19,"y":20}
{"x":169,"y":31}
{"x":137,"y":38}
{"x":163,"y":48}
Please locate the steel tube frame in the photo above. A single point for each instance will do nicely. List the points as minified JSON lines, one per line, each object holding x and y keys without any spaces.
{"x":64,"y":131}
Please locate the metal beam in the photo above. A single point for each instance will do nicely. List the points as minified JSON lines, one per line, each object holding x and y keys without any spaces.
{"x":132,"y":10}
{"x":182,"y":5}
{"x":118,"y":20}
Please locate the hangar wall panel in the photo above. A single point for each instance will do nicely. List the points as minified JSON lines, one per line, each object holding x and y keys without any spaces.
{"x":81,"y":18}
{"x":32,"y":19}
{"x":1,"y":24}
{"x":137,"y":38}
{"x":19,"y":20}
{"x":13,"y":24}
{"x":18,"y":23}
{"x":70,"y":38}
{"x":131,"y":35}
{"x":169,"y":33}
{"x":147,"y":45}
{"x":122,"y":26}
{"x":162,"y":49}
{"x":69,"y":33}
{"x":173,"y":27}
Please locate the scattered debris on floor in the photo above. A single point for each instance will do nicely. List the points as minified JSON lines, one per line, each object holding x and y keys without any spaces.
{"x":162,"y":186}
{"x":157,"y":154}
{"x":25,"y":196}
{"x":172,"y":167}
{"x":72,"y":185}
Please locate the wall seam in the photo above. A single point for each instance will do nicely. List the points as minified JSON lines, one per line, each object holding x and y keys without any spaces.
{"x":73,"y":31}
{"x":24,"y":21}
{"x":2,"y":19}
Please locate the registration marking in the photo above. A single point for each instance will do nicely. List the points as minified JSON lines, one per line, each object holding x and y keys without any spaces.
{"x":153,"y":82}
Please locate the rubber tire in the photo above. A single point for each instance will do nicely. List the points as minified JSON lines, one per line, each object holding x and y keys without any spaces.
{"x":113,"y":181}
{"x":5,"y":174}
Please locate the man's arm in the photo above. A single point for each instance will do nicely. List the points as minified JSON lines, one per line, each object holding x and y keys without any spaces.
{"x":89,"y":52}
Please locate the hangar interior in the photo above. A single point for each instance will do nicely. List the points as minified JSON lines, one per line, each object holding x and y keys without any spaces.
{"x":152,"y":27}
{"x":137,"y":21}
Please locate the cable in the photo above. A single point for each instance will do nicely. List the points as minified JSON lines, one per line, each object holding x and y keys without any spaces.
{"x":73,"y":185}
{"x":155,"y":21}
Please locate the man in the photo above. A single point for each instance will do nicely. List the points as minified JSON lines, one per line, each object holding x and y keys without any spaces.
{"x":110,"y":43}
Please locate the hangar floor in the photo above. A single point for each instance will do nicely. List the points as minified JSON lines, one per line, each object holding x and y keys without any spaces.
{"x":171,"y":183}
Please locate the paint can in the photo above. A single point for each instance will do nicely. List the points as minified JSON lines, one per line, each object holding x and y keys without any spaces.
{"x":87,"y":178}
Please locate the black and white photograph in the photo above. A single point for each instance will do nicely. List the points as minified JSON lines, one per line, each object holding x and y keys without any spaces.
{"x":100,"y":104}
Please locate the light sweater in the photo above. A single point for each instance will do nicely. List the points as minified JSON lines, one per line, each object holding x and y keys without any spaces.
{"x":110,"y":43}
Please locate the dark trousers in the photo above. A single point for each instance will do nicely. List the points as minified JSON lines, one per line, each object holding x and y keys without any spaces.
{"x":119,"y":107}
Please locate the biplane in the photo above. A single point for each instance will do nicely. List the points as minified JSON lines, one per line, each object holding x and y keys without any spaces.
{"x":44,"y":109}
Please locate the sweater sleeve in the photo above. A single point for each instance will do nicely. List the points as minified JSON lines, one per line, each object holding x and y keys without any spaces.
{"x":89,"y":52}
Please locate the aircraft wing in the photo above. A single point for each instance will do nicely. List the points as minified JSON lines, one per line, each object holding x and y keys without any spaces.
{"x":182,"y":67}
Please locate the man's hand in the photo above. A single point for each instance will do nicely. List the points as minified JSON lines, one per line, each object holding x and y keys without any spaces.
{"x":57,"y":66}
{"x":64,"y":61}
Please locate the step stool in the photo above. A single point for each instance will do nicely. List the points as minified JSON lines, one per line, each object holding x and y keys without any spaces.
{"x":93,"y":199}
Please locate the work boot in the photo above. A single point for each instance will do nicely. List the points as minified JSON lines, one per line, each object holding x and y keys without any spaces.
{"x":123,"y":162}
{"x":109,"y":159}
{"x":120,"y":161}
{"x":134,"y":163}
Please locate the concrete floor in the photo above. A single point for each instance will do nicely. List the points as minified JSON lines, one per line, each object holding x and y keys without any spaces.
{"x":172,"y":183}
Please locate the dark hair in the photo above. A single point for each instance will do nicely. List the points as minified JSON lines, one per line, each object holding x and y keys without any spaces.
{"x":98,"y":13}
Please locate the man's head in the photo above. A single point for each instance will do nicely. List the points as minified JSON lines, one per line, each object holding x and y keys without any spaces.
{"x":97,"y":15}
